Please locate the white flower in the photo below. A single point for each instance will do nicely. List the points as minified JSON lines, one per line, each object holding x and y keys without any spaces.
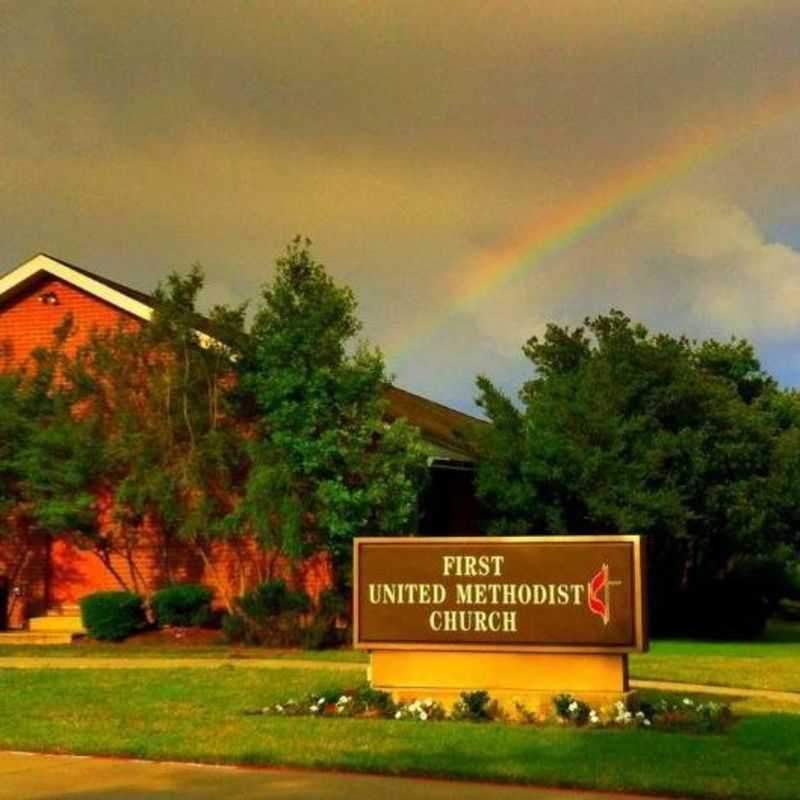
{"x":573,"y":706}
{"x":398,"y":715}
{"x":423,"y":716}
{"x":321,"y":701}
{"x":646,"y":722}
{"x":313,"y":709}
{"x":640,"y":715}
{"x":687,"y":701}
{"x":279,"y":709}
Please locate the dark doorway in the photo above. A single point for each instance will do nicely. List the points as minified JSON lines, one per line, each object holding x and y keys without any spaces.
{"x":449,"y":506}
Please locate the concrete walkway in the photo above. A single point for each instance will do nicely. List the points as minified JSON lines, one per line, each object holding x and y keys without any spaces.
{"x":25,"y":776}
{"x":115,"y":662}
{"x":722,"y":691}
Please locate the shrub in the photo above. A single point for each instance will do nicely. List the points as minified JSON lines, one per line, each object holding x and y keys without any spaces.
{"x":112,"y":616}
{"x":793,"y":580}
{"x":789,"y":610}
{"x":474,"y":706}
{"x":705,"y":717}
{"x":738,"y":604}
{"x":363,"y":701}
{"x":323,"y":631}
{"x":373,"y":702}
{"x":569,"y":709}
{"x":524,"y":714}
{"x":270,"y":614}
{"x":185,"y":605}
{"x":427,"y":710}
{"x":234,"y":628}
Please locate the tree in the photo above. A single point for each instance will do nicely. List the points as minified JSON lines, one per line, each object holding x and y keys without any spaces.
{"x":624,"y":431}
{"x":193,"y":429}
{"x":47,"y":460}
{"x":15,"y":431}
{"x":159,"y":399}
{"x":326,"y":466}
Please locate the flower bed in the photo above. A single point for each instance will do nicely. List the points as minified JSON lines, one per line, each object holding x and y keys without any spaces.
{"x":665,"y":714}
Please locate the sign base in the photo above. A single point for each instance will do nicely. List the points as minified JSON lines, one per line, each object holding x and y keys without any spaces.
{"x":532,"y":679}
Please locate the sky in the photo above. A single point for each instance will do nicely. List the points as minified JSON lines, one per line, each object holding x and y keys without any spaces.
{"x":473,"y":170}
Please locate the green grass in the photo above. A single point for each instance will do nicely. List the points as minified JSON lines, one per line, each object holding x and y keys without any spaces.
{"x":197,"y":715}
{"x":772,"y":662}
{"x":132,"y":650}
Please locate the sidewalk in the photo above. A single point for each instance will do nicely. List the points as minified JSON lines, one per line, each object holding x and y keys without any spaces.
{"x":722,"y":691}
{"x":26,"y":776}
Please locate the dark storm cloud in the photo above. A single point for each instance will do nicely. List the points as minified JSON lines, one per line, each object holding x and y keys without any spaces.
{"x":406,"y":138}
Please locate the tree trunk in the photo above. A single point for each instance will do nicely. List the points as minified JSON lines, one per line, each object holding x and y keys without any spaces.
{"x":218,"y":582}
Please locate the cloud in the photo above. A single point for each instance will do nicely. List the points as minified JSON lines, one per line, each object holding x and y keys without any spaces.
{"x":408,"y":142}
{"x":683,"y":262}
{"x":734,"y":279}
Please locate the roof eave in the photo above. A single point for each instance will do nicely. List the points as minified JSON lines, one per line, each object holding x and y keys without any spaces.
{"x":26,"y":273}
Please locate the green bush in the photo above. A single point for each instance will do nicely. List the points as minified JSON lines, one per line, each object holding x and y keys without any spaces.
{"x":234,"y":628}
{"x":570,"y":709}
{"x":737,"y":604}
{"x":793,"y":587}
{"x":112,"y":616}
{"x":474,"y":706}
{"x":270,"y":614}
{"x":184,"y":605}
{"x":323,"y":631}
{"x":789,"y":610}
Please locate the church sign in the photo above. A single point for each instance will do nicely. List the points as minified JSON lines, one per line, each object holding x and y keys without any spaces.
{"x":567,"y":594}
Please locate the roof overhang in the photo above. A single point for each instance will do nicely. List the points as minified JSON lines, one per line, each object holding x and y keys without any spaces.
{"x":27,"y":273}
{"x":440,"y":425}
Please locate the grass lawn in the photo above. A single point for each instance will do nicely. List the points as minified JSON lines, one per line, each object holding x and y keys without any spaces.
{"x":197,"y":714}
{"x":769,"y":663}
{"x":130,"y":649}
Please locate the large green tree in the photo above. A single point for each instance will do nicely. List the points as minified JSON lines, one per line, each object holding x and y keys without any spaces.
{"x":620,"y":430}
{"x":326,"y":464}
{"x":199,"y":429}
{"x":160,"y":398}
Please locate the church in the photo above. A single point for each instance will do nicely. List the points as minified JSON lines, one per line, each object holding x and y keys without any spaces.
{"x":43,"y":576}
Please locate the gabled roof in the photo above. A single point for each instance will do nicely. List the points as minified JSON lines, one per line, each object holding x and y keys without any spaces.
{"x":440,"y":425}
{"x":19,"y":279}
{"x":443,"y":427}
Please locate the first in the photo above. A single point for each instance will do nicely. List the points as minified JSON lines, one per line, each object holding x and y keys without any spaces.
{"x":472,"y":566}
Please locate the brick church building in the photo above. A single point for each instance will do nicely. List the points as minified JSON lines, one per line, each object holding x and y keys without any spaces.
{"x":42,"y":577}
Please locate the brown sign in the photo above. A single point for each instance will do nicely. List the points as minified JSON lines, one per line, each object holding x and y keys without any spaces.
{"x":548,"y":593}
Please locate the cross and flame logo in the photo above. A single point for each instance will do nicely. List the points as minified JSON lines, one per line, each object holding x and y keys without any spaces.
{"x":598,"y":596}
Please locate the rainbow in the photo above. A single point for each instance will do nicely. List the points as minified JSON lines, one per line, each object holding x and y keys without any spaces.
{"x":575,"y":219}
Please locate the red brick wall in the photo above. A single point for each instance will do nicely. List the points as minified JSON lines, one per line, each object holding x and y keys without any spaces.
{"x":63,"y":573}
{"x":76,"y":572}
{"x":27,"y":323}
